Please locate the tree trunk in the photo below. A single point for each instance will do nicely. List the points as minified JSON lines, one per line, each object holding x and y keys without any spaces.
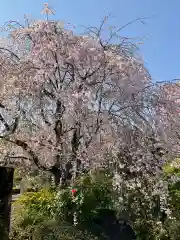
{"x":62,"y":176}
{"x":57,"y":173}
{"x":6,"y":185}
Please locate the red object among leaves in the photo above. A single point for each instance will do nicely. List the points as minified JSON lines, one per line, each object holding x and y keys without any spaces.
{"x":74,"y":191}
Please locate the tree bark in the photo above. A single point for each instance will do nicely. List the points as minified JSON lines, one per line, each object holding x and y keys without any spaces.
{"x":62,"y":176}
{"x":6,"y":185}
{"x":57,"y":173}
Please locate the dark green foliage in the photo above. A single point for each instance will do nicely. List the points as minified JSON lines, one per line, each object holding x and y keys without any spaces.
{"x":48,"y":213}
{"x":94,"y":191}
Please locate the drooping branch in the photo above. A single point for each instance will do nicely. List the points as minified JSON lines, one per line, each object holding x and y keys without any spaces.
{"x":27,"y":149}
{"x":11,"y":52}
{"x":9,"y":129}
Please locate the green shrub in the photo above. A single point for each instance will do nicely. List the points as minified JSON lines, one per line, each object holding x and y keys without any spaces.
{"x":94,"y":191}
{"x":53,"y":230}
{"x":30,"y":210}
{"x":49,"y":214}
{"x":38,"y":202}
{"x":34,"y":179}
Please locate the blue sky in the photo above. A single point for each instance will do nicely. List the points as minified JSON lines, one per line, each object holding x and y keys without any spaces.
{"x":161,"y":50}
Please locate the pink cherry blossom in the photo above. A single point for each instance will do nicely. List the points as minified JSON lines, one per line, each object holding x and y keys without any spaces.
{"x":76,"y":99}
